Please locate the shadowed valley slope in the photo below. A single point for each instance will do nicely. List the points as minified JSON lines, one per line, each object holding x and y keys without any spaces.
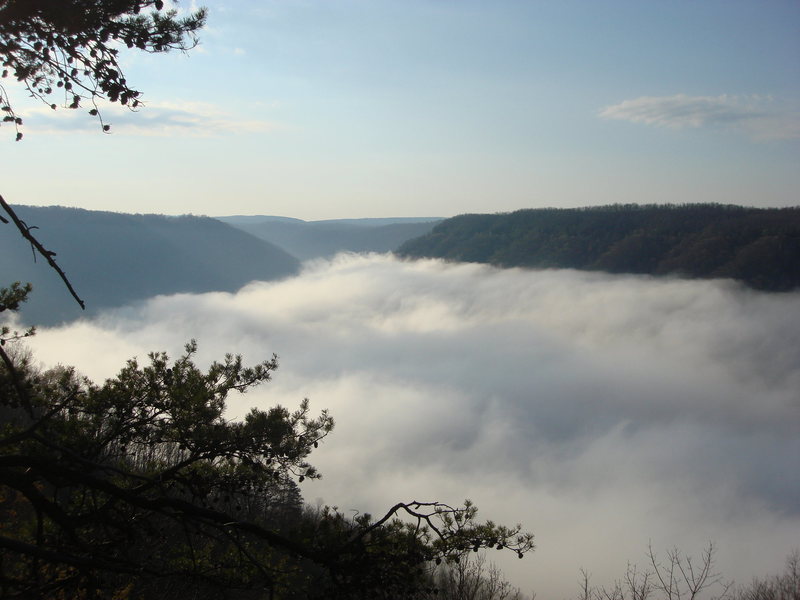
{"x":113,"y":259}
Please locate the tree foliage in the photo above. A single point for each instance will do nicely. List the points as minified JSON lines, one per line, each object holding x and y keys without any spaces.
{"x":66,"y":52}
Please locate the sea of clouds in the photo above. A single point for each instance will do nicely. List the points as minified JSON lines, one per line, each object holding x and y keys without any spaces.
{"x":602,"y":412}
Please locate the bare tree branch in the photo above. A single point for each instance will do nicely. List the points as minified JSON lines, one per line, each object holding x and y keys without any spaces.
{"x":48,"y":255}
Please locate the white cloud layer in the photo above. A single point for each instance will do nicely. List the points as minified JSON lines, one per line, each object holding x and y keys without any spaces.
{"x":756,"y":116}
{"x":601,"y":412}
{"x":158,"y":119}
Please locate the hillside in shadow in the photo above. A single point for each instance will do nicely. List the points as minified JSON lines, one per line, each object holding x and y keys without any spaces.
{"x":113,"y":259}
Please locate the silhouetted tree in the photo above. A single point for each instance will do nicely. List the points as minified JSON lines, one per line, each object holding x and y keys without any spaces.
{"x":69,"y":49}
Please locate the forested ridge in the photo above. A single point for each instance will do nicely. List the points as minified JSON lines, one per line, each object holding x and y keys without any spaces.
{"x":759,"y":247}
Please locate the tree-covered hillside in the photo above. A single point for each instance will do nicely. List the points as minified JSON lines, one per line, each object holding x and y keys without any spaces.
{"x":113,"y":259}
{"x":760,"y":247}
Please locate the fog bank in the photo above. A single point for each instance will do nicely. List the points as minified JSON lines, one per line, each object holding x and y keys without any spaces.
{"x":600,"y":411}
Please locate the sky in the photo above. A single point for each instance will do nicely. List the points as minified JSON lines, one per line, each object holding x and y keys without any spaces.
{"x":353,"y":108}
{"x":604,"y":413}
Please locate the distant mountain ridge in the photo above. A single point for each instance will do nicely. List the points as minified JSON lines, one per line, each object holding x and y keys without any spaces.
{"x":113,"y":259}
{"x":315,"y":239}
{"x":759,"y":247}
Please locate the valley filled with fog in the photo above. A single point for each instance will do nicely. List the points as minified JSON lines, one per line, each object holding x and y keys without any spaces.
{"x":602,"y":412}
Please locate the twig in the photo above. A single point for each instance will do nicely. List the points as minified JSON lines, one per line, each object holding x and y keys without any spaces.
{"x":35,"y":244}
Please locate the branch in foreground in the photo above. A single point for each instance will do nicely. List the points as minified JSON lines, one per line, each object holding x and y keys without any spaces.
{"x":48,"y":255}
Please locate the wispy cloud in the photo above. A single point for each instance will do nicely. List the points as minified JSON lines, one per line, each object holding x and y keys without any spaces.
{"x":173,"y":119}
{"x":599,"y":411}
{"x":757,"y":116}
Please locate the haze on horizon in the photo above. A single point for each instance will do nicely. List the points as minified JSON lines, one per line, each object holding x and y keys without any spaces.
{"x":350,"y":108}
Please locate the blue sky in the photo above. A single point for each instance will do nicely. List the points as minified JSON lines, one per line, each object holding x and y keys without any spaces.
{"x":355,"y":108}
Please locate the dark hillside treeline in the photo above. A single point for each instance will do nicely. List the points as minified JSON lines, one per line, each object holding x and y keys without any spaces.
{"x":113,"y":259}
{"x":759,"y":247}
